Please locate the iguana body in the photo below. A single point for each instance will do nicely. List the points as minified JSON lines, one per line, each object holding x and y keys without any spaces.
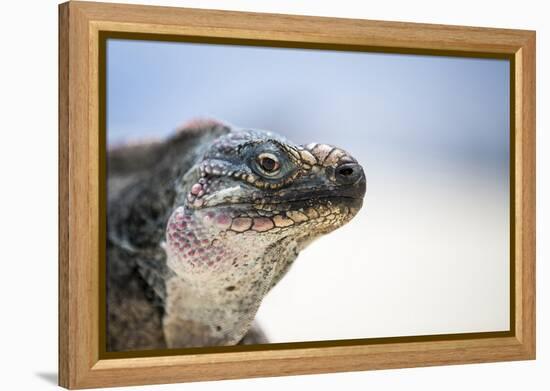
{"x":203,"y":225}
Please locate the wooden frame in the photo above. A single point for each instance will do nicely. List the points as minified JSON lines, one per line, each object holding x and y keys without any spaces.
{"x":81,"y":364}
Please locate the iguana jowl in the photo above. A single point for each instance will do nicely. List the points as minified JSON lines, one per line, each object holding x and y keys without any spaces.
{"x":201,"y":226}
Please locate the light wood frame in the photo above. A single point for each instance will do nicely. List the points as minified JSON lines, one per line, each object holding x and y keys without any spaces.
{"x":81,"y":364}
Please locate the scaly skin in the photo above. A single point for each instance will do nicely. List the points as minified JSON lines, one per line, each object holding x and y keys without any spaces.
{"x":233,"y":221}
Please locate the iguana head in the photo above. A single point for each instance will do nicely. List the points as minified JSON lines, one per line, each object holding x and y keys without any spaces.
{"x":252,"y":201}
{"x":252,"y":191}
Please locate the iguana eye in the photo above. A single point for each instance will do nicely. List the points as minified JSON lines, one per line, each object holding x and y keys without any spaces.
{"x":268,"y":163}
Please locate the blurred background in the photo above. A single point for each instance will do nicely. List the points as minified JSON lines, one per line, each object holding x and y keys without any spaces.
{"x":429,"y":251}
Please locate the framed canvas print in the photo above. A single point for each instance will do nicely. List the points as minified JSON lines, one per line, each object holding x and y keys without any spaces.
{"x":248,"y":195}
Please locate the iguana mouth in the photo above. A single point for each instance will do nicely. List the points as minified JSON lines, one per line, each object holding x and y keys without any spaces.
{"x":293,"y":197}
{"x":296,"y":201}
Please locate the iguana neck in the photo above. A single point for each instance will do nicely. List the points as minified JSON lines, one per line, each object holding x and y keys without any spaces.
{"x":220,"y":278}
{"x":214,"y":312}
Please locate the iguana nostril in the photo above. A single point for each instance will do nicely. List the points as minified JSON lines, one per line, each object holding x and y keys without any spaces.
{"x":348,"y":173}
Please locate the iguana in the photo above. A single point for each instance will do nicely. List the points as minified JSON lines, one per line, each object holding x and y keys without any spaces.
{"x":202,"y":225}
